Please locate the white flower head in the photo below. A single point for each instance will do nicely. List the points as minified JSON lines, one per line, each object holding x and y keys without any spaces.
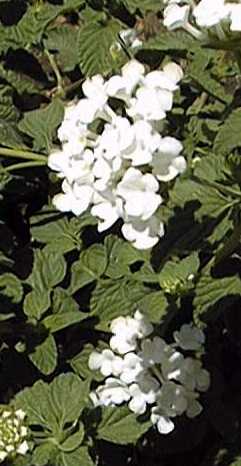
{"x":13,"y":433}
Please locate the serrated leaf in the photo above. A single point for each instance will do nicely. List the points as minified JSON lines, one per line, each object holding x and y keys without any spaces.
{"x":36,"y":303}
{"x":57,"y":322}
{"x":223,"y":145}
{"x":42,"y":453}
{"x":41,"y":124}
{"x":31,"y":27}
{"x":61,"y":234}
{"x":45,"y":356}
{"x":63,"y":41}
{"x":80,"y":366}
{"x":95,"y":40}
{"x":11,"y":287}
{"x":62,"y":302}
{"x":89,"y":267}
{"x":154,"y":305}
{"x":198,"y":72}
{"x":120,"y":256}
{"x":74,"y":441}
{"x":112,"y":298}
{"x":10,"y":135}
{"x":8,"y":111}
{"x":177,"y":40}
{"x":49,"y":269}
{"x":70,"y":395}
{"x":120,"y":426}
{"x":79,"y":457}
{"x":179,"y":271}
{"x":51,"y":406}
{"x":210,"y":290}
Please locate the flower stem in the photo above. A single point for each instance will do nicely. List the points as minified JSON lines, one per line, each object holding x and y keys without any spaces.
{"x":56,"y":72}
{"x":19,"y":166}
{"x":22,"y":154}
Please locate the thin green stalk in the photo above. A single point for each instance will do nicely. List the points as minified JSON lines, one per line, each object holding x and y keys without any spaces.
{"x":21,"y":165}
{"x":22,"y":154}
{"x":56,"y":72}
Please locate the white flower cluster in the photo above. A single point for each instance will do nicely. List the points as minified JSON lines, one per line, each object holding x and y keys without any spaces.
{"x":215,"y":17}
{"x":13,"y":433}
{"x":148,"y":373}
{"x":116,"y":171}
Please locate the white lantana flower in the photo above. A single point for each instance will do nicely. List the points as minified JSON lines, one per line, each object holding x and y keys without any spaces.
{"x":189,"y":337}
{"x":99,"y":167}
{"x":13,"y":433}
{"x":150,"y":375}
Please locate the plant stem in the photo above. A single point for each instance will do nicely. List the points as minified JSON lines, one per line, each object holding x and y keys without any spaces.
{"x":56,"y":71}
{"x":18,"y":166}
{"x":22,"y":154}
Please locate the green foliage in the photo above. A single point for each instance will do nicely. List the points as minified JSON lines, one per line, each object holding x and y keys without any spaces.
{"x":62,"y":283}
{"x":121,"y":426}
{"x":94,"y":45}
{"x":41,"y":124}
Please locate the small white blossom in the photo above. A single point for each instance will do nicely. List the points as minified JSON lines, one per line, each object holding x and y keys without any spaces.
{"x":189,"y":337}
{"x":106,"y":362}
{"x":113,"y":392}
{"x":176,"y":16}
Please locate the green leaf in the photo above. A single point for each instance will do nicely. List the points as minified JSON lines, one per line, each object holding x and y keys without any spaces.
{"x":79,"y":457}
{"x":31,"y":27}
{"x":62,"y":302}
{"x":61,"y":234}
{"x":155,"y":306}
{"x":89,"y":267}
{"x":142,"y":5}
{"x":41,"y":124}
{"x":64,"y":41}
{"x":45,"y":356}
{"x":173,"y":272}
{"x":198,"y":72}
{"x":112,"y":298}
{"x":223,"y":145}
{"x":51,"y":406}
{"x":74,"y":441}
{"x":210,"y":290}
{"x":95,"y":40}
{"x":120,"y":256}
{"x":166,"y":41}
{"x":120,"y":426}
{"x":11,"y":287}
{"x":70,"y":396}
{"x":80,"y":364}
{"x":57,"y":322}
{"x":36,"y":303}
{"x":8,"y":111}
{"x":42,"y":453}
{"x":49,"y":269}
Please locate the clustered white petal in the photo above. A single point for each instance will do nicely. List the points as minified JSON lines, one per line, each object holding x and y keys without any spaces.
{"x":149,"y":374}
{"x":13,"y":433}
{"x":217,"y":18}
{"x":116,"y":170}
